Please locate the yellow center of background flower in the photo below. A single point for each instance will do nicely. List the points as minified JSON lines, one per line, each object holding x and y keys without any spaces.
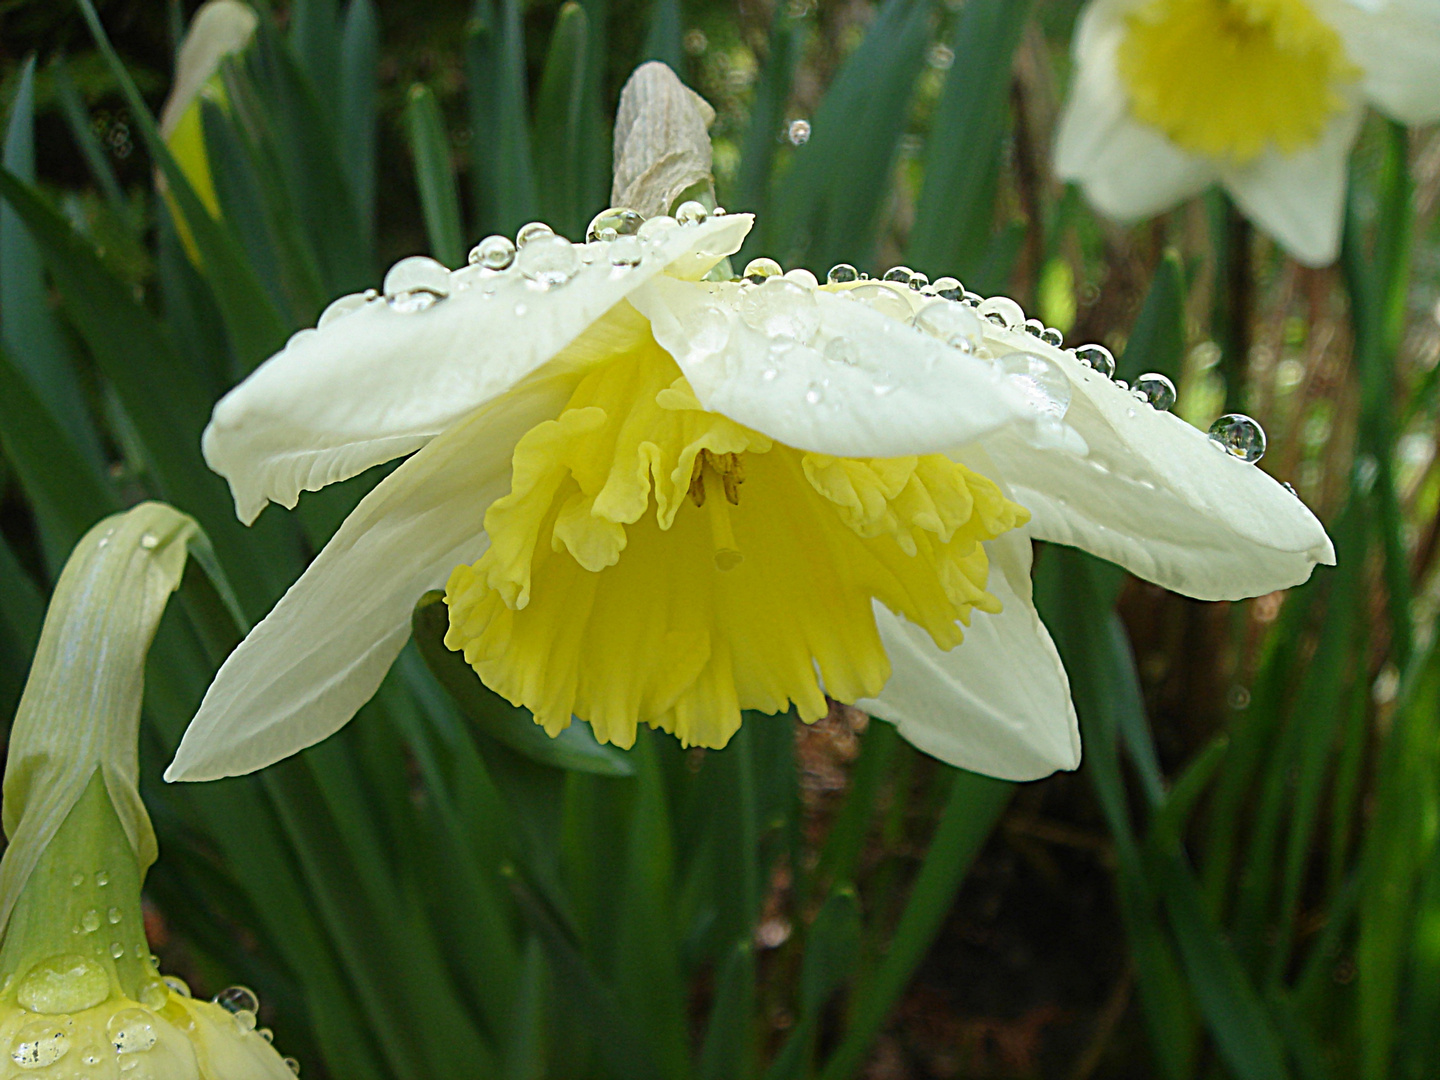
{"x":658,"y":563}
{"x":1230,"y":78}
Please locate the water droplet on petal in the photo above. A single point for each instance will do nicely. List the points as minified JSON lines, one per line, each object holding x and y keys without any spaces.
{"x":266,"y":1034}
{"x":840,"y":273}
{"x":919,"y":281}
{"x":520,"y":309}
{"x":799,"y":132}
{"x":155,"y":994}
{"x":131,"y":1031}
{"x":533,"y":231}
{"x":415,"y":284}
{"x":1034,"y":327}
{"x":815,"y":394}
{"x":801,"y":276}
{"x":1051,"y":336}
{"x":1290,"y":488}
{"x":955,"y":324}
{"x":706,"y":330}
{"x":691,"y":212}
{"x":90,"y":1056}
{"x":974,"y":299}
{"x":41,"y":1044}
{"x":340,"y":308}
{"x":1002,"y":311}
{"x":177,"y":985}
{"x":493,"y":253}
{"x":102,"y":878}
{"x":656,"y":229}
{"x":902,"y":274}
{"x":757,"y":270}
{"x":90,"y":921}
{"x":613,"y":223}
{"x":77,"y":881}
{"x":236,"y":999}
{"x":63,"y":984}
{"x":113,"y":915}
{"x":1041,"y":381}
{"x":1156,"y":389}
{"x":1239,"y":436}
{"x":842,"y":351}
{"x":881,"y":298}
{"x":780,"y":308}
{"x":149,"y":541}
{"x":245,"y":1020}
{"x":626,"y":252}
{"x":117,"y":950}
{"x":549,"y":260}
{"x":1098,"y":357}
{"x":949,"y":288}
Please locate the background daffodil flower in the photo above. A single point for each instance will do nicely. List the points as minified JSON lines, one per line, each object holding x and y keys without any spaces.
{"x":1263,"y":97}
{"x":656,"y":493}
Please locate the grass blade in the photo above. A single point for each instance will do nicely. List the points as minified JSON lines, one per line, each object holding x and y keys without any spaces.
{"x":434,"y":175}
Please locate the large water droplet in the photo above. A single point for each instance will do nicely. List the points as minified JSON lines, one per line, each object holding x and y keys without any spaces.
{"x":1239,"y":436}
{"x":131,"y":1031}
{"x":63,"y":984}
{"x":949,"y":288}
{"x":1098,"y":357}
{"x":782,"y":309}
{"x":292,"y":1065}
{"x":799,"y":132}
{"x":340,"y":308}
{"x":113,"y":916}
{"x":549,"y":260}
{"x":1156,"y":389}
{"x":156,"y":993}
{"x":626,"y":252}
{"x":533,"y":231}
{"x":235,"y":998}
{"x":1034,"y":327}
{"x":881,"y":298}
{"x":955,"y":324}
{"x":801,"y":276}
{"x":90,"y":921}
{"x":613,"y":223}
{"x":40,"y":1044}
{"x":117,"y":950}
{"x":415,"y":284}
{"x":1041,"y":382}
{"x":177,"y":985}
{"x":901,"y":274}
{"x":493,"y":253}
{"x":757,"y":270}
{"x":245,"y":1020}
{"x":656,"y":229}
{"x":1052,"y":336}
{"x":919,"y":281}
{"x":1002,"y":311}
{"x":691,"y":212}
{"x":840,"y":273}
{"x":706,"y":330}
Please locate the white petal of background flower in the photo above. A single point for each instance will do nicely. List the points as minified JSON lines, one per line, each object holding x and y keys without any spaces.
{"x":1157,"y":497}
{"x":1397,"y":43}
{"x":1128,"y":170}
{"x":894,"y":390}
{"x":1299,"y":198}
{"x":377,"y":383}
{"x":323,"y":650}
{"x":997,"y":703}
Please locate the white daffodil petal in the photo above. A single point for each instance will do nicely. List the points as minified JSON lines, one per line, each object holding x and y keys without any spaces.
{"x":1156,"y":496}
{"x":1299,"y":198}
{"x":999,"y":702}
{"x":1397,"y":45}
{"x":377,"y":382}
{"x":819,"y":371}
{"x":1128,"y":170}
{"x":321,"y":653}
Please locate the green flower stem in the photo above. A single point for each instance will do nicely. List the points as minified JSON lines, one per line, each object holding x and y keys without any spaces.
{"x":82,"y":899}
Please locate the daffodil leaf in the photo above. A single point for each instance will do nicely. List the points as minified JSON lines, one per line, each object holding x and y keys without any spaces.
{"x":574,"y":748}
{"x":951,"y":233}
{"x":560,"y":119}
{"x":434,"y":175}
{"x":359,"y":48}
{"x":500,"y":163}
{"x":1157,"y":341}
{"x":788,"y":35}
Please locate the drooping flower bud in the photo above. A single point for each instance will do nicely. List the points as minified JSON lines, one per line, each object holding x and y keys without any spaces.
{"x":662,"y":143}
{"x":79,"y":991}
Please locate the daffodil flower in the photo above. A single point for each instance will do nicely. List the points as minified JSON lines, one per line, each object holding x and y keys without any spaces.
{"x":658,"y":499}
{"x":80,"y":994}
{"x":1264,"y":97}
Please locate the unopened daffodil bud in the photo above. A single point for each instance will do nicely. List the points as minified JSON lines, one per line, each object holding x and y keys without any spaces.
{"x":79,"y":991}
{"x":662,"y":144}
{"x":219,"y":29}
